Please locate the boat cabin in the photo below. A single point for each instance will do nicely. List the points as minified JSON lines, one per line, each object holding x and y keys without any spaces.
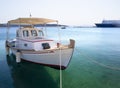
{"x":33,"y":39}
{"x":29,"y":32}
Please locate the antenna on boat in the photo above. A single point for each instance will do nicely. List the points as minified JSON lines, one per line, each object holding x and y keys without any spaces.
{"x":30,"y":15}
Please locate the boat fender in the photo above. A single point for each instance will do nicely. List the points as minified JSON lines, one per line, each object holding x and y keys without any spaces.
{"x":7,"y":48}
{"x":18,"y":59}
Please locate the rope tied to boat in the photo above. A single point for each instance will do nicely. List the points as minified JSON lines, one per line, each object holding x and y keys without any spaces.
{"x":59,"y":39}
{"x":96,"y":62}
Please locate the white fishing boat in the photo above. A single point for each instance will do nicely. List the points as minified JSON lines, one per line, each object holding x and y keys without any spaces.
{"x":30,"y":44}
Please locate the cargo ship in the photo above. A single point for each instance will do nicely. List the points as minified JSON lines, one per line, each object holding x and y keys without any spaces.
{"x":108,"y":23}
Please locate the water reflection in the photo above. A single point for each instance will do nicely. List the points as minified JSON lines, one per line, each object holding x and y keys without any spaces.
{"x":29,"y":75}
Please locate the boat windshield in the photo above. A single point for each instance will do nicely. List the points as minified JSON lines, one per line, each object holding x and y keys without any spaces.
{"x":30,"y":33}
{"x":26,"y":33}
{"x":34,"y":33}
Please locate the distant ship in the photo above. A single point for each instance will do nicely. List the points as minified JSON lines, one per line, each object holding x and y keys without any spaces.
{"x":109,"y":23}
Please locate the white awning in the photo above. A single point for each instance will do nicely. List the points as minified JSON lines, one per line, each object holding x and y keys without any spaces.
{"x":32,"y":21}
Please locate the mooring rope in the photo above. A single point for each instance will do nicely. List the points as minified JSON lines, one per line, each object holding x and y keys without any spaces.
{"x":96,"y":62}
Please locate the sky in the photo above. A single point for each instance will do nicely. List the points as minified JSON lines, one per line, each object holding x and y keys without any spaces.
{"x":69,"y":12}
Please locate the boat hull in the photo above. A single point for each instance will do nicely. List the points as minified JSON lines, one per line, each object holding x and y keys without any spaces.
{"x":58,"y":58}
{"x":106,"y":25}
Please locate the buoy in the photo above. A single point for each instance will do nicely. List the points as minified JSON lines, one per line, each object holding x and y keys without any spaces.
{"x":18,"y":59}
{"x":7,"y":48}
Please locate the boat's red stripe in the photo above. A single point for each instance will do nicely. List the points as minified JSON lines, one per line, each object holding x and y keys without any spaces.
{"x":44,"y":52}
{"x":36,"y":40}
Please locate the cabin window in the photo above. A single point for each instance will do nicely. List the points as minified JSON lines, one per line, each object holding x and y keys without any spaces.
{"x":33,"y":33}
{"x":40,"y":33}
{"x":25,"y":33}
{"x":45,"y":45}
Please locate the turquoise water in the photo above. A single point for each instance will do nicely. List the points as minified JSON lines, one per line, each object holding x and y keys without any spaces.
{"x":95,"y":62}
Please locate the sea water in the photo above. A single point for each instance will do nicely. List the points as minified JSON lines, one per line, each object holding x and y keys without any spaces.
{"x":95,"y":62}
